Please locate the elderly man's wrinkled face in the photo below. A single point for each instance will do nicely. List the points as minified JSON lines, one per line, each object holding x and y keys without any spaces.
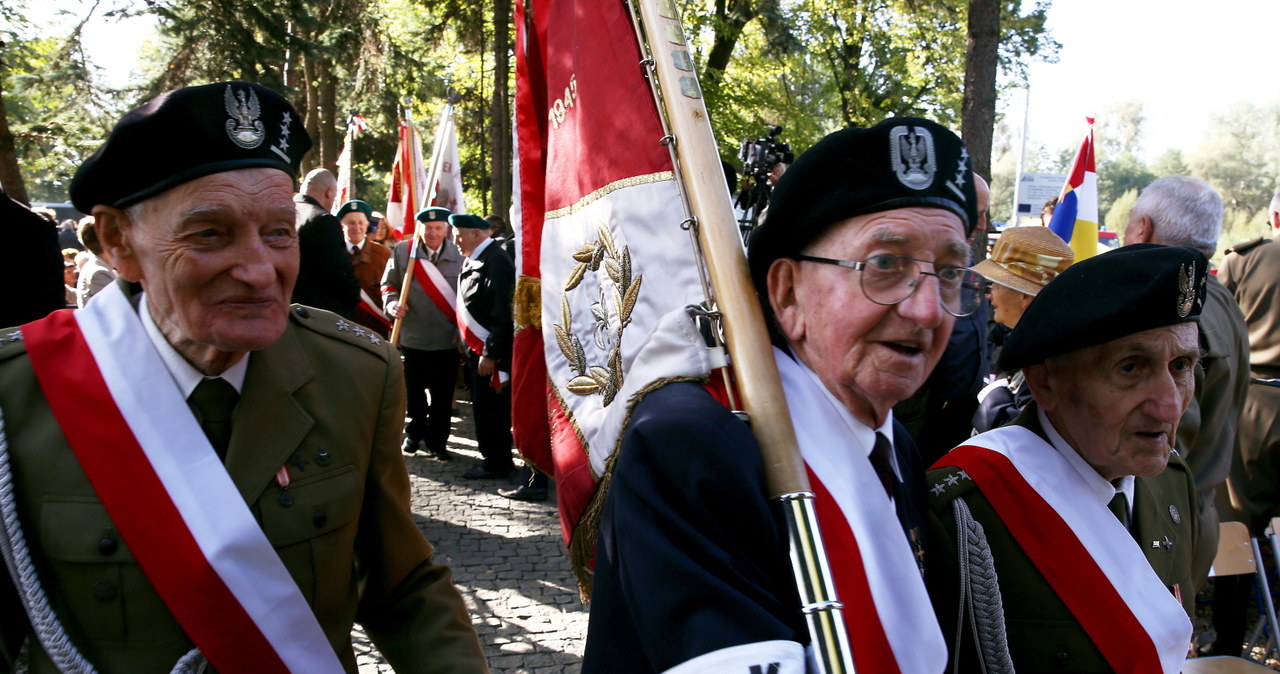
{"x":434,"y":233}
{"x":868,"y":355}
{"x":1119,"y":403}
{"x":217,"y":257}
{"x":355,"y":226}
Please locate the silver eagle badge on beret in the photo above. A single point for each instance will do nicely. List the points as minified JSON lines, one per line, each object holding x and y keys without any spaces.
{"x":243,"y":128}
{"x":1186,"y":289}
{"x":912,"y":153}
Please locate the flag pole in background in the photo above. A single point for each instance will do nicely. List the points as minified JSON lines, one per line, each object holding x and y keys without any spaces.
{"x":756,"y":375}
{"x":414,"y":190}
{"x":346,"y":179}
{"x":1076,"y":217}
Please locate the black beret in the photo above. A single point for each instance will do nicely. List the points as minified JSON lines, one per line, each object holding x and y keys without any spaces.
{"x":355,"y":206}
{"x":898,"y":163}
{"x":190,"y":133}
{"x":433,"y":214}
{"x":468,"y":221}
{"x":1128,"y":290}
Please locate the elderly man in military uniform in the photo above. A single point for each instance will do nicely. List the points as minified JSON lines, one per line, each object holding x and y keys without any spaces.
{"x":1065,"y":540}
{"x":429,"y":328}
{"x":861,"y":264}
{"x":190,"y":479}
{"x":484,"y":305}
{"x":368,"y":260}
{"x":1186,"y":211}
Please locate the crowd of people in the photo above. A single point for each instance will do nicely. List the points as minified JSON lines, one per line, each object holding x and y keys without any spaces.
{"x":1019,"y":463}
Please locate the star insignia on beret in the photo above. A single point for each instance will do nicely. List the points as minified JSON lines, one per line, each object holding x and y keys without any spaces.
{"x":282,"y":148}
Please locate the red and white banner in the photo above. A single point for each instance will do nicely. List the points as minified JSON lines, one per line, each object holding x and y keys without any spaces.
{"x":617,"y":271}
{"x":167,"y":493}
{"x":408,"y":179}
{"x":448,"y":188}
{"x":890,"y":620}
{"x":346,"y":182}
{"x":1083,"y":551}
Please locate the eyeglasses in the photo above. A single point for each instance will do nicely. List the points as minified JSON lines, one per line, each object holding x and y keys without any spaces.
{"x":890,"y":279}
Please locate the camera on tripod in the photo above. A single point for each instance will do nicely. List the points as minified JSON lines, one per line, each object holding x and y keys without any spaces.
{"x":760,"y":155}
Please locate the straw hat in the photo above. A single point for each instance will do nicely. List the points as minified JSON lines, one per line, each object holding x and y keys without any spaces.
{"x":1026,"y":259}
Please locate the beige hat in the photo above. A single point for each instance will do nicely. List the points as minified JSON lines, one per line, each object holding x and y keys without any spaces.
{"x":1026,"y":259}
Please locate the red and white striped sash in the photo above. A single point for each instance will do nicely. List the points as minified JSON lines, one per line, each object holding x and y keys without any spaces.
{"x":437,"y":288}
{"x":1082,"y":550}
{"x":891,"y":624}
{"x":368,"y":306}
{"x":168,"y":494}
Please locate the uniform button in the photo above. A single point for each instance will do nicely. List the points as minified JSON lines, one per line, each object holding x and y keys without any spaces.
{"x":302,"y":311}
{"x":108,"y":546}
{"x":285,"y":498}
{"x":105,"y":591}
{"x":319,"y":519}
{"x":1060,"y":658}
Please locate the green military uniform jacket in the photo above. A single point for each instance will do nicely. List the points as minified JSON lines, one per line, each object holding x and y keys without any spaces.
{"x":1251,"y":271}
{"x":1043,"y":635}
{"x":330,"y":403}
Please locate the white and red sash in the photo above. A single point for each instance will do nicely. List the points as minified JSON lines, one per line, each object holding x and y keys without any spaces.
{"x":371,"y":308}
{"x":1083,"y":551}
{"x":168,"y":494}
{"x":890,"y":620}
{"x":474,"y":336}
{"x":437,"y":287}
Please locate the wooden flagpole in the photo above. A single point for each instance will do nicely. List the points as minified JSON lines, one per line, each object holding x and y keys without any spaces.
{"x":437,"y":154}
{"x":759,"y":385}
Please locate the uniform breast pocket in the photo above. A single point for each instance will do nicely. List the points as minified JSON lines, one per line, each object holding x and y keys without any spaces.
{"x":108,"y":597}
{"x":313,"y":529}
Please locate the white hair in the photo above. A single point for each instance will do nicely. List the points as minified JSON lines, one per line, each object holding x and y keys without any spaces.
{"x":1184,"y":211}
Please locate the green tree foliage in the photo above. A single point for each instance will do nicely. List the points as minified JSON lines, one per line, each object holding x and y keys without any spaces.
{"x":1117,"y":217}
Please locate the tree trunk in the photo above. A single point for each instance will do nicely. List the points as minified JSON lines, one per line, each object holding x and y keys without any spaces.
{"x":311,"y":103}
{"x":328,"y":117}
{"x":10,"y":176}
{"x":731,"y":18}
{"x":500,"y":113}
{"x":978,"y":110}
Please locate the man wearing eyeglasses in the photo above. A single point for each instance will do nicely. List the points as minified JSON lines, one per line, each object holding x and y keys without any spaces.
{"x":860,"y":266}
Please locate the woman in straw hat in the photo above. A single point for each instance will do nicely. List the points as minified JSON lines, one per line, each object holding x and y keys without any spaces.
{"x":1024,"y":260}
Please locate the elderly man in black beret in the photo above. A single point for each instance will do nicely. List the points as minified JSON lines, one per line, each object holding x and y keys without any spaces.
{"x":860,"y":265}
{"x":1065,"y":541}
{"x":182,"y":480}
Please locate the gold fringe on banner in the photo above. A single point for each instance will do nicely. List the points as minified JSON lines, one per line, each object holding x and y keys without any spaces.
{"x":526,"y":306}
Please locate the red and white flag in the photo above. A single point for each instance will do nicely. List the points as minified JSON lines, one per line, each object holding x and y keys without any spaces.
{"x":448,"y":188}
{"x":408,"y":179}
{"x":346,"y":179}
{"x":617,"y":270}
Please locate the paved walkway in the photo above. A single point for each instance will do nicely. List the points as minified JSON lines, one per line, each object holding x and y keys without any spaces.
{"x":507,"y":559}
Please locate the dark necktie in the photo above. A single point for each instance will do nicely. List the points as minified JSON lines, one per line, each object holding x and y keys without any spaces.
{"x":435,"y":257}
{"x":213,"y":401}
{"x":355,"y":250}
{"x":881,"y":460}
{"x":1119,"y":506}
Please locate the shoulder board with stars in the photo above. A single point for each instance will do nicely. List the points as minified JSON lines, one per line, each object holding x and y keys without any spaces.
{"x":946,"y":484}
{"x":337,"y":327}
{"x":1242,"y":248}
{"x":11,"y":343}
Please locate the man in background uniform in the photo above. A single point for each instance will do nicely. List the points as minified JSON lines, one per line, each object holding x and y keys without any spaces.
{"x":325,"y":278}
{"x":368,"y":261}
{"x":429,"y":331}
{"x":485,"y":287}
{"x":185,"y":467}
